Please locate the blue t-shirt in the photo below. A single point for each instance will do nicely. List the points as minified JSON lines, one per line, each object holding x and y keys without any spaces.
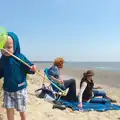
{"x":54,"y":71}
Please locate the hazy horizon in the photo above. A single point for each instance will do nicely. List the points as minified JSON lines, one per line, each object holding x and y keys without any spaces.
{"x":83,"y":61}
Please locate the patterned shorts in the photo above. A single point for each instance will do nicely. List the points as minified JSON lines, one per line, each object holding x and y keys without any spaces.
{"x":16,"y":100}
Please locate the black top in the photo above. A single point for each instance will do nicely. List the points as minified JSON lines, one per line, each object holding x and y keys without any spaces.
{"x":87,"y":94}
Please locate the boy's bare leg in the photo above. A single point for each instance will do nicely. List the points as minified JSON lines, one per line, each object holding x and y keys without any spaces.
{"x":1,"y":110}
{"x":10,"y":113}
{"x":23,"y":115}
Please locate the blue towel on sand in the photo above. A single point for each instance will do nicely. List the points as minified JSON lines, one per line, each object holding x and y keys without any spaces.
{"x":91,"y":106}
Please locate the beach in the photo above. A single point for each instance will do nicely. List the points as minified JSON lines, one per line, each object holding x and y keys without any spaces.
{"x":39,"y":109}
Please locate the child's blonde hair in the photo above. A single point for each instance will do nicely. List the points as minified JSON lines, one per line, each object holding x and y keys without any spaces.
{"x":59,"y":61}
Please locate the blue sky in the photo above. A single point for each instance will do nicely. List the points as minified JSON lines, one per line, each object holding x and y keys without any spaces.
{"x":77,"y":30}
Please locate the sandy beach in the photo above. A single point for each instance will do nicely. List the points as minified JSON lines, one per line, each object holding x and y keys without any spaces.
{"x":39,"y":109}
{"x":72,"y":35}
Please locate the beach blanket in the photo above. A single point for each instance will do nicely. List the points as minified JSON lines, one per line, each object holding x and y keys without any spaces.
{"x":91,"y":106}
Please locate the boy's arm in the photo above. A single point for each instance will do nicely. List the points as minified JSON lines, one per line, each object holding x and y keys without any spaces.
{"x":56,"y":80}
{"x":26,"y":68}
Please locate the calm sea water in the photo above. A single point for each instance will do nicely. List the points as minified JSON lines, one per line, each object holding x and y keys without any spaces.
{"x":73,"y":69}
{"x":114,"y":66}
{"x":98,"y":65}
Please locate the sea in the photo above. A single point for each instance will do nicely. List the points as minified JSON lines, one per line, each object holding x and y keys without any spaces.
{"x":108,"y":72}
{"x":111,"y":66}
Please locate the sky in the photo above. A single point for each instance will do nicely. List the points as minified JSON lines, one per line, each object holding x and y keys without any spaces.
{"x":77,"y":30}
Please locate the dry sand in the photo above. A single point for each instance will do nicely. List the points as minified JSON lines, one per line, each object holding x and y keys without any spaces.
{"x":38,"y":109}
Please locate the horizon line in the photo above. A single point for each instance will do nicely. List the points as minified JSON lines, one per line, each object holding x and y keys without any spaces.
{"x":71,"y":61}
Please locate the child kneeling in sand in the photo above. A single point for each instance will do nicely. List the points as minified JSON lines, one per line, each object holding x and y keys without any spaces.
{"x":88,"y":94}
{"x":14,"y":73}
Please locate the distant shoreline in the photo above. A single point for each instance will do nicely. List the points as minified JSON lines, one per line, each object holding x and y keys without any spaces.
{"x":76,"y":62}
{"x":106,"y":66}
{"x":41,"y":61}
